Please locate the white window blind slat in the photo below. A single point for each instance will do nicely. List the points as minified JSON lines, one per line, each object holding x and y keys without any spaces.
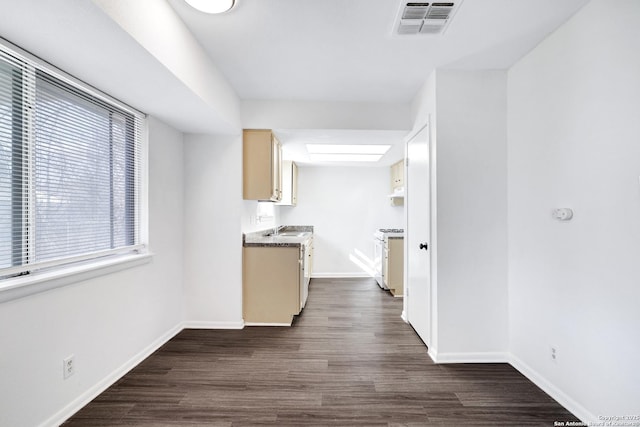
{"x":69,"y":170}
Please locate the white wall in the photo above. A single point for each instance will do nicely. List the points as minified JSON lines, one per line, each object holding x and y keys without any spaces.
{"x":259,"y":216}
{"x":424,"y":105}
{"x":346,"y":205}
{"x":257,"y":114}
{"x":574,"y":142}
{"x":469,"y":221}
{"x":215,"y":213}
{"x":106,"y":322}
{"x":471,"y":211}
{"x":153,"y":70}
{"x":176,"y":49}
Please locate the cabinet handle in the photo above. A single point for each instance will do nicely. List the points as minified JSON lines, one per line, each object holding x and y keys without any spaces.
{"x":424,"y":246}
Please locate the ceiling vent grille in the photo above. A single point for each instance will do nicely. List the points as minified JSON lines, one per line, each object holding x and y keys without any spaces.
{"x":425,"y":18}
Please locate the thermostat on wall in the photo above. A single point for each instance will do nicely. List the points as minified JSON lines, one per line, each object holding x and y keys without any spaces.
{"x":562,"y":214}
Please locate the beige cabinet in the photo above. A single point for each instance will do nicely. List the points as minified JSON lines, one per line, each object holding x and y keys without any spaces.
{"x":397,"y":184}
{"x":397,"y":175}
{"x":393,"y":265}
{"x":271,"y":280}
{"x":289,"y":184}
{"x":261,"y":165}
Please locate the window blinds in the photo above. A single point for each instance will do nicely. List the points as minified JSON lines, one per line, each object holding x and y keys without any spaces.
{"x":69,"y":170}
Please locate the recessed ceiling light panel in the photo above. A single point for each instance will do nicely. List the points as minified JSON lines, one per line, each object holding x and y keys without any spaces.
{"x":347,"y":149}
{"x":211,"y":6}
{"x":337,"y":157}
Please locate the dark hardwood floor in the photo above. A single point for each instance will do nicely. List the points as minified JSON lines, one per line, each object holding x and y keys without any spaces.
{"x":348,"y":360}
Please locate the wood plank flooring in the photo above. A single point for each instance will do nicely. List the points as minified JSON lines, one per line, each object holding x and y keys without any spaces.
{"x":348,"y":360}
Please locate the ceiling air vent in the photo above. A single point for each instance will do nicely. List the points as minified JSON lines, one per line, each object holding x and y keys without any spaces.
{"x":425,"y":18}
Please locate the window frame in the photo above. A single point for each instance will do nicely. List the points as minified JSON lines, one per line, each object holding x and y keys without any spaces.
{"x":53,"y":274}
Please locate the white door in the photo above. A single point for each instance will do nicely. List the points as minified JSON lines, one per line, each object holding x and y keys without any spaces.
{"x":417,"y":233}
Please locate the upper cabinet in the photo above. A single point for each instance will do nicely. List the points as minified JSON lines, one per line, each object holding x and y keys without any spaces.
{"x":262,"y":165}
{"x":289,"y":183}
{"x":397,"y":184}
{"x":397,"y":175}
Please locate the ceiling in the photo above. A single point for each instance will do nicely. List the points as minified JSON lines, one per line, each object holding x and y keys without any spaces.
{"x":316,"y":51}
{"x":344,"y":50}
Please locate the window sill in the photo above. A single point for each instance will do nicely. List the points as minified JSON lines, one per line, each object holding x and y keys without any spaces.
{"x":19,"y":287}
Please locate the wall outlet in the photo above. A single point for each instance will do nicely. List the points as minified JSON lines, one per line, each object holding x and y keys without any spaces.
{"x":68,"y":366}
{"x":554,"y":354}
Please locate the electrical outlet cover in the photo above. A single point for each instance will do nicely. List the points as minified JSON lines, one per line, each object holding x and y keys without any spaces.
{"x":68,"y":366}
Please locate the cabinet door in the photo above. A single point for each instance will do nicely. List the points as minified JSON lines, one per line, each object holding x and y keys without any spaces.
{"x":276,"y":169}
{"x":294,"y":184}
{"x":310,"y":257}
{"x":395,"y":266}
{"x":397,"y":175}
{"x":304,"y":288}
{"x":305,"y":278}
{"x":270,"y":284}
{"x":289,"y":184}
{"x":261,"y":162}
{"x":385,"y":263}
{"x":394,"y":175}
{"x":400,"y":174}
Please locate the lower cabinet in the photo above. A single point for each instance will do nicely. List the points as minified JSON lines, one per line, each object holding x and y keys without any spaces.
{"x":274,"y":286}
{"x":393,"y":265}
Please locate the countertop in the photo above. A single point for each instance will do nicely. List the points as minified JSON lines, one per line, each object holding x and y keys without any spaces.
{"x":285,"y":236}
{"x":389,"y":233}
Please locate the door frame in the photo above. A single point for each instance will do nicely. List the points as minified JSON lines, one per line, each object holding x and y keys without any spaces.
{"x":432,"y":233}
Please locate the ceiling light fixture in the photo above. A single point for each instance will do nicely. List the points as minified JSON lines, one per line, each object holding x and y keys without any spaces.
{"x":341,"y":157}
{"x":211,"y":6}
{"x":347,"y":149}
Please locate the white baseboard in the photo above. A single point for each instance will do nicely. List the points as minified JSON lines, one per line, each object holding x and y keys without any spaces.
{"x":357,"y":274}
{"x":496,"y":357}
{"x":201,"y":324}
{"x":266,"y":324}
{"x":432,"y":354}
{"x":561,"y":397}
{"x":403,"y":316}
{"x":86,"y":397}
{"x":480,"y":357}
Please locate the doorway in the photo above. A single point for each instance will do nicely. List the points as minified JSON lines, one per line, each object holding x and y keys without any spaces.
{"x":418,"y":296}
